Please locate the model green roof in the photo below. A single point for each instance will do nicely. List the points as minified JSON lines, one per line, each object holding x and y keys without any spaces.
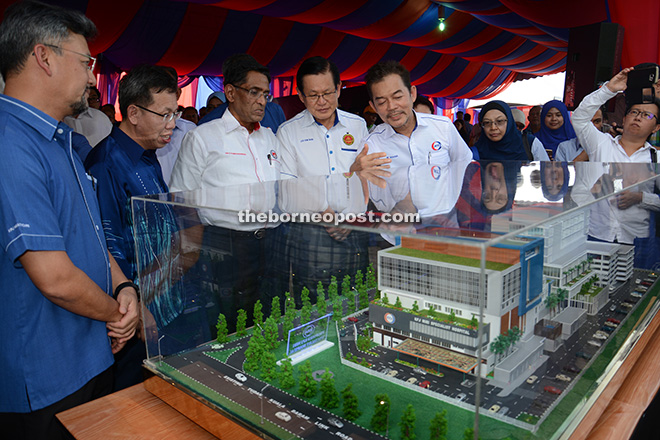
{"x":445,"y":258}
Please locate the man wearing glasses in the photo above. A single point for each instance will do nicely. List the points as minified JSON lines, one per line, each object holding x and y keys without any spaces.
{"x":233,"y":161}
{"x":58,"y":278}
{"x":640,"y":122}
{"x":92,"y":123}
{"x":124,"y":165}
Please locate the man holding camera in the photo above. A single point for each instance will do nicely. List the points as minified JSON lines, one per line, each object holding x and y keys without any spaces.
{"x":640,"y":121}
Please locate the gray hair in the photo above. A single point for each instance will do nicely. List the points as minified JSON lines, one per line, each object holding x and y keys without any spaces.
{"x":29,"y":23}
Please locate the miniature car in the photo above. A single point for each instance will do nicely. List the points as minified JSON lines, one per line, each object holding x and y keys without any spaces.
{"x":600,"y":336}
{"x":493,"y":409}
{"x":353,"y":319}
{"x":611,"y":324}
{"x":622,"y":311}
{"x":425,"y":384}
{"x":607,"y":329}
{"x":613,"y":321}
{"x":241,"y":377}
{"x":647,"y":283}
{"x":412,"y":380}
{"x":392,"y":373}
{"x":504,"y":410}
{"x":461,"y":397}
{"x":283,"y":416}
{"x":595,"y":343}
{"x":612,"y":308}
{"x":636,"y":294}
{"x":419,"y":370}
{"x":563,"y":378}
{"x":638,"y":280}
{"x":583,"y":355}
{"x":335,"y":422}
{"x":342,"y":333}
{"x":627,"y":305}
{"x":652,"y":275}
{"x":551,"y":389}
{"x":386,"y":371}
{"x":642,"y":289}
{"x":571,"y":369}
{"x":532,"y":379}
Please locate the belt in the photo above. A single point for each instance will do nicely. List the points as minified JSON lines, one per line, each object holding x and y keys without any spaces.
{"x":257,"y":235}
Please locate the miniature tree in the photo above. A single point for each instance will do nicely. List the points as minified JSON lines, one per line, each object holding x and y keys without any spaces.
{"x":306,"y":382}
{"x":474,"y":322}
{"x":385,"y":299}
{"x":356,"y":298}
{"x":336,"y":309}
{"x":407,"y":423}
{"x":286,"y":374}
{"x":415,"y":307}
{"x":381,"y":412}
{"x":364,"y":297}
{"x":241,"y":322}
{"x":363,"y":343}
{"x":275,"y":311}
{"x":332,"y":288}
{"x":359,"y":280}
{"x":515,"y":334}
{"x":270,"y":334}
{"x":397,"y":303}
{"x":468,"y":434}
{"x":438,"y":426}
{"x":452,"y":316}
{"x":304,"y":298}
{"x":258,"y":314}
{"x":371,"y":277}
{"x":269,"y":366}
{"x":306,"y":313}
{"x":350,"y":403}
{"x":255,"y":351}
{"x":329,"y":395}
{"x":431,"y":311}
{"x":346,"y":285}
{"x":562,"y":294}
{"x":289,"y":302}
{"x":321,"y":305}
{"x":221,"y":327}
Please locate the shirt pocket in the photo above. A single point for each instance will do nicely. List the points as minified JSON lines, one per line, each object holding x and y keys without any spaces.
{"x":440,"y":157}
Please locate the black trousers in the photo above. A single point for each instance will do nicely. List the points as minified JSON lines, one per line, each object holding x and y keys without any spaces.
{"x":42,"y":424}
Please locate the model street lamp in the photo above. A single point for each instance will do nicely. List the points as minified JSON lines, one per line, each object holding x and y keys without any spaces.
{"x":262,"y":402}
{"x":387,"y":420}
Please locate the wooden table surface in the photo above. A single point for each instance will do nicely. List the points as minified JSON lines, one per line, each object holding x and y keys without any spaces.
{"x":133,"y":413}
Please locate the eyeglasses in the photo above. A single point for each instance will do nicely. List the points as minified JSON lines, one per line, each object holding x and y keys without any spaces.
{"x":255,"y":93}
{"x":91,"y":61}
{"x":167,"y":117}
{"x":644,"y":115}
{"x":326,"y":96}
{"x":499,"y":123}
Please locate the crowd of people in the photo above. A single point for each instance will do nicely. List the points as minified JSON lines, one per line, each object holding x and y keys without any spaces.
{"x":69,"y":172}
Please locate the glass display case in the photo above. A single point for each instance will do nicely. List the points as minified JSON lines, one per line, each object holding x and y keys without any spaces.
{"x":483,"y":299}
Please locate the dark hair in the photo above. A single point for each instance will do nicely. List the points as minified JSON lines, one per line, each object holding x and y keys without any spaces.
{"x":647,"y":100}
{"x":139,"y":85}
{"x":467,"y":117}
{"x":423,"y":100}
{"x":29,"y":23}
{"x":378,"y":72}
{"x":317,"y":66}
{"x":236,"y":67}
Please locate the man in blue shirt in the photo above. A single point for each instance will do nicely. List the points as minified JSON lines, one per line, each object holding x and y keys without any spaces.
{"x":58,"y":313}
{"x":125,"y":165}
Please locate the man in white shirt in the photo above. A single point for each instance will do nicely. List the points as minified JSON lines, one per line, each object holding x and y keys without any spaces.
{"x":640,"y":122}
{"x":230,"y":151}
{"x":92,"y":123}
{"x":408,"y":138}
{"x":322,"y":140}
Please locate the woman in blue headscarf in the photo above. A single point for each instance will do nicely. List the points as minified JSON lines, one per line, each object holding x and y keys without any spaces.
{"x":500,"y":138}
{"x":555,"y":125}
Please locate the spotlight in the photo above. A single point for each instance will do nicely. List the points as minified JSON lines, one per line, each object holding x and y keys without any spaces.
{"x":441,"y":18}
{"x":441,"y":25}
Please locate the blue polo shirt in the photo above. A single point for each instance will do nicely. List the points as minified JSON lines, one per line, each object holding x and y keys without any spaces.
{"x":123,"y":169}
{"x":47,"y":204}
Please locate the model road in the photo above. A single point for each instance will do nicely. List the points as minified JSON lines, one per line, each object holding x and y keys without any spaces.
{"x":306,"y":420}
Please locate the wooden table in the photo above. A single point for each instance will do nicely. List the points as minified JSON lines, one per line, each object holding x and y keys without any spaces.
{"x":133,"y":413}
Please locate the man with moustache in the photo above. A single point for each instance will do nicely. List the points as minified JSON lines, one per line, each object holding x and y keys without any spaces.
{"x":58,"y":312}
{"x":408,"y":138}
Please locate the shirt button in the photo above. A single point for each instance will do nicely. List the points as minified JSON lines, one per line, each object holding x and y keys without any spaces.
{"x":97,"y":227}
{"x":330,"y":151}
{"x":328,"y":136}
{"x":333,"y":168}
{"x":60,"y":131}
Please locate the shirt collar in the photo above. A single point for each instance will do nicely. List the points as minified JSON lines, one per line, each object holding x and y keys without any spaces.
{"x":232,"y":123}
{"x":132,"y":149}
{"x":309,"y":119}
{"x":35,"y":118}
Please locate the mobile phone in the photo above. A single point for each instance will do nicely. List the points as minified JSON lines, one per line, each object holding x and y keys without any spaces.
{"x":640,"y":88}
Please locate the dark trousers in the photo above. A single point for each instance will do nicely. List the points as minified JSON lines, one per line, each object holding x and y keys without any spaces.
{"x":42,"y":424}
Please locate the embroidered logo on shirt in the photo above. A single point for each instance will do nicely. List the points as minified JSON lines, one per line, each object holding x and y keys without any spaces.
{"x":349,"y":139}
{"x":436,"y":145}
{"x":235,"y":154}
{"x":273,"y":154}
{"x":435,"y":172}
